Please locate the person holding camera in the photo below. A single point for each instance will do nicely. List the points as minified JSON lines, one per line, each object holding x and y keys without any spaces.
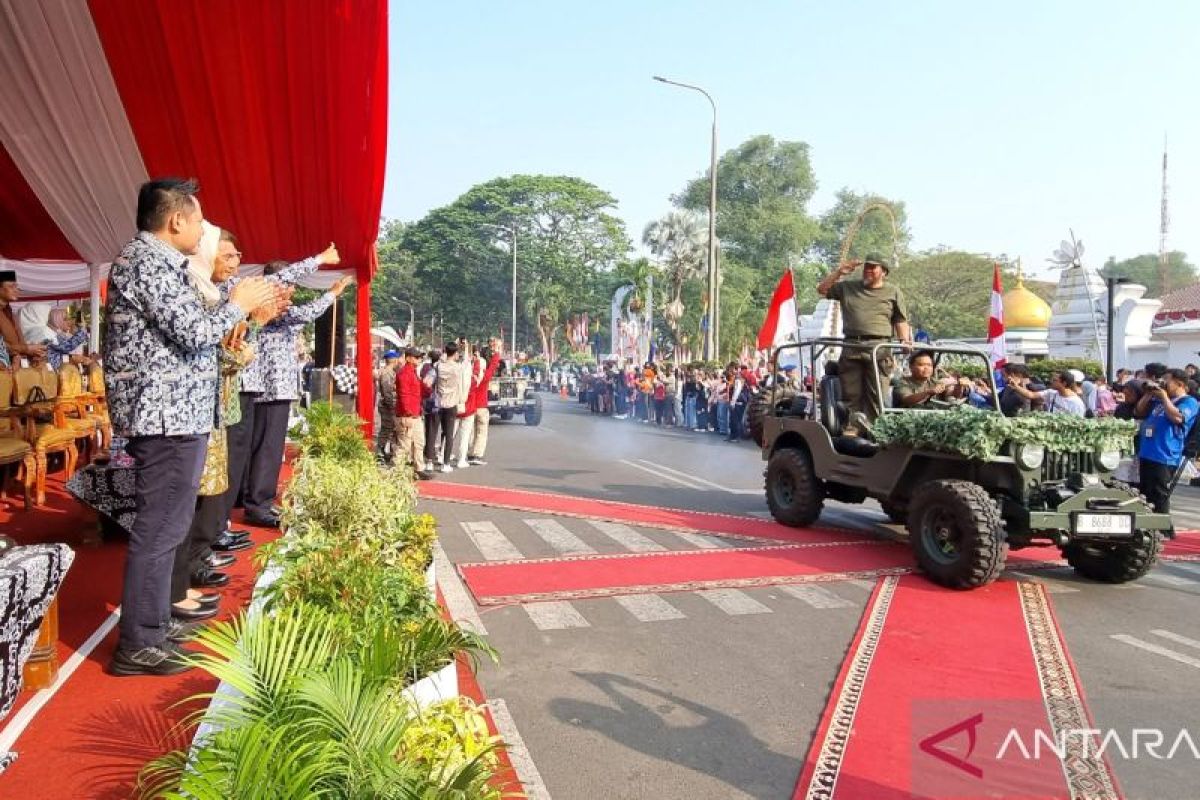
{"x":1167,"y":413}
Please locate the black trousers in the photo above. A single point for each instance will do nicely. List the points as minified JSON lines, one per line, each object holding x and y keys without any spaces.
{"x":443,"y":422}
{"x":737,"y":415}
{"x":1154,"y":481}
{"x":207,"y":523}
{"x":166,"y":479}
{"x":239,"y":439}
{"x":266,"y":457}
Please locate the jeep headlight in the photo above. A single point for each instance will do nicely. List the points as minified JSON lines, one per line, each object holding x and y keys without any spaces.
{"x":1030,"y":456}
{"x":1109,"y":459}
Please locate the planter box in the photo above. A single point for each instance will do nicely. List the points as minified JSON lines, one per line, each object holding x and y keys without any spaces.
{"x":441,"y":685}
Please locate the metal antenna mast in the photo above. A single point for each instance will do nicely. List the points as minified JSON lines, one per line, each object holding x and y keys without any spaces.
{"x":1164,"y":221}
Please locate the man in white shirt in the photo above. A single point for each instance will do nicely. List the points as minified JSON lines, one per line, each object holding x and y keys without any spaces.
{"x":1060,"y":398}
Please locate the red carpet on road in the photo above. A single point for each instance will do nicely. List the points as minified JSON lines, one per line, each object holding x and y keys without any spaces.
{"x":646,"y":516}
{"x":934,"y":685}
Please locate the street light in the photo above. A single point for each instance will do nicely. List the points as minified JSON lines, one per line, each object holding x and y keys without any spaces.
{"x":412,"y":314}
{"x":513,"y":233}
{"x":712,"y":334}
{"x":1112,"y":283}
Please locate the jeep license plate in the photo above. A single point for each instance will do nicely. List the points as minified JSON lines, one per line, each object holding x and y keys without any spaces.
{"x":1103,"y":523}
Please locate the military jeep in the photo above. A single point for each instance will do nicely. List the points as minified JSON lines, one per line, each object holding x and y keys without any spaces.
{"x":962,"y":515}
{"x":510,"y":396}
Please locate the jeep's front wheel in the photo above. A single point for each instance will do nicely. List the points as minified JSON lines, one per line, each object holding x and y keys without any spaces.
{"x":794,"y":494}
{"x":1118,"y":562}
{"x":533,"y":413}
{"x":956,"y":534}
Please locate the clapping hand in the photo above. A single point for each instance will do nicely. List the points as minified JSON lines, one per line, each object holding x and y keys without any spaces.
{"x":340,"y":285}
{"x":330,"y":255}
{"x":251,"y":293}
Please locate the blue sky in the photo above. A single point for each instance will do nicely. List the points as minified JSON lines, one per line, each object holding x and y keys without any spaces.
{"x":999,"y":125}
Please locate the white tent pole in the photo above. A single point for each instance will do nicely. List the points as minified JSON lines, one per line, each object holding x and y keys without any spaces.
{"x":94,"y":316}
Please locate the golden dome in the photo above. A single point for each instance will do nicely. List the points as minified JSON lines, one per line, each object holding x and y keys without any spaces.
{"x":1024,"y":309}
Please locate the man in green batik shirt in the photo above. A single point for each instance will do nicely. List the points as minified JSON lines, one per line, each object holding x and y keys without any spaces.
{"x":873,"y":312}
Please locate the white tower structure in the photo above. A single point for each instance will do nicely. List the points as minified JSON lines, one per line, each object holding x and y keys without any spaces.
{"x":1077,"y":324}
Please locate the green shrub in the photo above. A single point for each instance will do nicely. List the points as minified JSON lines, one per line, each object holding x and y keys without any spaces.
{"x":313,"y":718}
{"x":1046,"y":368}
{"x":983,"y":434}
{"x":329,"y":431}
{"x":449,"y":735}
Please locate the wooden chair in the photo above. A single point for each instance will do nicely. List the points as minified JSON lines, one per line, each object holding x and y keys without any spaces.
{"x":47,"y":428}
{"x":97,"y":404}
{"x":13,"y":447}
{"x":77,"y":406}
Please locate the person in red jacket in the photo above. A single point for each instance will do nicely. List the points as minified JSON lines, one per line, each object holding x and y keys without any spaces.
{"x":479,"y":394}
{"x":411,"y":391}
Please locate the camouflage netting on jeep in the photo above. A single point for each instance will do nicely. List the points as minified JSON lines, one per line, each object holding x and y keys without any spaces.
{"x":979,"y":434}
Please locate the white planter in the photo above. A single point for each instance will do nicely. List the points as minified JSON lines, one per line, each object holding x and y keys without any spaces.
{"x":441,"y":685}
{"x":431,"y":578}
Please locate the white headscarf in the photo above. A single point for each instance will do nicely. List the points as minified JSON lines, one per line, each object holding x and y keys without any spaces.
{"x":200,"y":266}
{"x":34,"y":319}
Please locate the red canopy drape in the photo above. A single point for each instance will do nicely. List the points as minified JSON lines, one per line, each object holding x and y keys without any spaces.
{"x":26,"y":230}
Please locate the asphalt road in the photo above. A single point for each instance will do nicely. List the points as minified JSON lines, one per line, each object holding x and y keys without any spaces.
{"x":717,"y":695}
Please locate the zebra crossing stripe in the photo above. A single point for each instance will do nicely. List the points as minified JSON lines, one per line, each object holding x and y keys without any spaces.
{"x":554,"y":615}
{"x":558,"y":537}
{"x":816,"y":596}
{"x":698,"y":541}
{"x":649,"y":607}
{"x":626,"y":536}
{"x":492,"y":544}
{"x":733,"y":601}
{"x":458,"y":602}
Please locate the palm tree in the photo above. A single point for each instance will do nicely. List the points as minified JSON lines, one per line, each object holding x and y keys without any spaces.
{"x":679,"y":240}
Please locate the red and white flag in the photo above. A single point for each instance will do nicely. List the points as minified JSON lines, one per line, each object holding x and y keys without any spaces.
{"x":781,"y":323}
{"x":997,"y":346}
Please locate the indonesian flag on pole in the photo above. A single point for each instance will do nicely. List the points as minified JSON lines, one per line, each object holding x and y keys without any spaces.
{"x":997,"y":346}
{"x":780,"y":324}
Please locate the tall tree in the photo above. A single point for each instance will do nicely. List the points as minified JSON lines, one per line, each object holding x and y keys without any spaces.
{"x":763,"y":190}
{"x":679,"y":240}
{"x":874,"y":234}
{"x":948,"y":292}
{"x":1144,"y":269}
{"x":568,"y":238}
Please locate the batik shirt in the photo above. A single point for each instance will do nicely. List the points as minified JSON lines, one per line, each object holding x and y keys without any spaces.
{"x":251,"y":377}
{"x":57,"y":352}
{"x":276,"y":369}
{"x":5,"y":358}
{"x":160,"y":347}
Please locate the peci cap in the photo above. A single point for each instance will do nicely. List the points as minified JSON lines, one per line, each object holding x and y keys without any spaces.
{"x":878,"y":259}
{"x":414,"y":352}
{"x":7,"y":275}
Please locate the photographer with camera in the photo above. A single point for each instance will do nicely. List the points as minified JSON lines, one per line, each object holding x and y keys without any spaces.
{"x":1168,"y":413}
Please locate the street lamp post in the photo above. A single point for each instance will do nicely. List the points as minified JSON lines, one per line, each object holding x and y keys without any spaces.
{"x":1112,"y":283}
{"x":513,"y":233}
{"x":412,"y":314}
{"x":712,"y":334}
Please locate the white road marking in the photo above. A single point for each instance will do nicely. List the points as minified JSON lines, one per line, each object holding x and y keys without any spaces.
{"x":558,"y":537}
{"x":733,"y":601}
{"x":458,"y":602}
{"x":701,"y":542}
{"x":18,"y":724}
{"x":626,"y":536}
{"x":1184,"y":566}
{"x":518,"y":754}
{"x":1158,"y":576}
{"x":816,"y":596}
{"x":1157,"y":650}
{"x":1053,"y":585}
{"x":649,"y":607}
{"x":862,"y":583}
{"x":698,"y":479}
{"x":555,"y":615}
{"x":1175,"y":637}
{"x":492,"y":544}
{"x":655,"y":472}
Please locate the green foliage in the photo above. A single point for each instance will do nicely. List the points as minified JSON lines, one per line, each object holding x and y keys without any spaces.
{"x":450,"y":734}
{"x":1144,"y":269}
{"x":329,"y":431}
{"x":312,"y":719}
{"x":763,"y":190}
{"x":948,"y":292}
{"x":983,"y":434}
{"x":1046,"y":368}
{"x":585,"y":359}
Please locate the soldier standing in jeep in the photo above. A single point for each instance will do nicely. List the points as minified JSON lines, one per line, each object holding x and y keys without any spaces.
{"x":871,"y":311}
